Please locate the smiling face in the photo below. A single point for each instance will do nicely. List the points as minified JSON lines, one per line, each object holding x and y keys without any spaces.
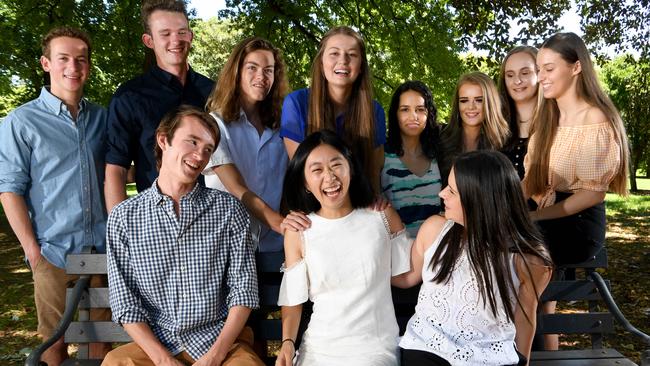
{"x":69,"y":67}
{"x":470,"y":105}
{"x":411,"y":113}
{"x":341,"y":60}
{"x":521,"y":77}
{"x":556,"y":75}
{"x":188,"y":152}
{"x":256,"y":76}
{"x":327,"y":177}
{"x":170,"y":39}
{"x":453,"y":207}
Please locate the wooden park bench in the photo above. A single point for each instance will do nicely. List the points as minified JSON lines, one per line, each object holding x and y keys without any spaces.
{"x":267,"y":325}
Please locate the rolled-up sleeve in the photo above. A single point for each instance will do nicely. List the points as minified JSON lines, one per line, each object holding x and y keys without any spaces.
{"x":242,"y":274}
{"x":123,"y":293}
{"x":293,"y":122}
{"x":221,"y":155}
{"x":15,"y":153}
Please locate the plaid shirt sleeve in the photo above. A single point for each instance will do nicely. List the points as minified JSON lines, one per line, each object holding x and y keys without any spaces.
{"x":124,"y":296}
{"x":242,"y":274}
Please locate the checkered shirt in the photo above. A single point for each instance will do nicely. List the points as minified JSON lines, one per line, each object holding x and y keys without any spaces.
{"x":180,"y":274}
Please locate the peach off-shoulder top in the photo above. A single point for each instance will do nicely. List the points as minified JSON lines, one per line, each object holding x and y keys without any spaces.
{"x":582,"y":157}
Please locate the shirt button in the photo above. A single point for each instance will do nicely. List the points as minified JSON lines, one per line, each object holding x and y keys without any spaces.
{"x":182,"y":268}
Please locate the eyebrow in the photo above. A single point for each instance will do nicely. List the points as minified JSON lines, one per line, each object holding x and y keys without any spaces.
{"x":256,"y":64}
{"x":200,"y":139}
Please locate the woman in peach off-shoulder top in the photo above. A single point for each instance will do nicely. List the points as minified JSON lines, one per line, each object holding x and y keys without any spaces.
{"x":577,"y":152}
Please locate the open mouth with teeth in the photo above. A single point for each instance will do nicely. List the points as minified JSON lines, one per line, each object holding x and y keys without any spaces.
{"x":333,"y":190}
{"x":192,"y":165}
{"x":342,"y":72}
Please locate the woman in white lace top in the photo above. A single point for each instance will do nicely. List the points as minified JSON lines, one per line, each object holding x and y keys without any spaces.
{"x":483,"y":266}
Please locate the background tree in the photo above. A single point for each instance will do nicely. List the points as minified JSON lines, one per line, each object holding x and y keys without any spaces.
{"x":214,"y":39}
{"x":629,"y":87}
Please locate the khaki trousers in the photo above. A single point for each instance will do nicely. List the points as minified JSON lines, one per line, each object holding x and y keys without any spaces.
{"x":240,"y":354}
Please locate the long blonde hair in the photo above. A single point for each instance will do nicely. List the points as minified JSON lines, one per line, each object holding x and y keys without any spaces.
{"x":494,"y":129}
{"x":572,"y":49}
{"x":225,"y":96}
{"x":358,"y":118}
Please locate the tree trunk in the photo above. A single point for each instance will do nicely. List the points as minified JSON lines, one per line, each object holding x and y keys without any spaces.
{"x":633,"y":186}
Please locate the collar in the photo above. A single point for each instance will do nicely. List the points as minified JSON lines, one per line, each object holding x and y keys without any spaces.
{"x":157,"y":197}
{"x":168,"y":77}
{"x":55,"y":104}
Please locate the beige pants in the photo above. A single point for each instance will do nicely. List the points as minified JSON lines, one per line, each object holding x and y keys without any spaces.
{"x":240,"y":354}
{"x":50,"y":284}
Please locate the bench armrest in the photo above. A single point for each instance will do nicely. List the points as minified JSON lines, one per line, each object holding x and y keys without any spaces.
{"x":70,"y":309}
{"x":618,"y":315}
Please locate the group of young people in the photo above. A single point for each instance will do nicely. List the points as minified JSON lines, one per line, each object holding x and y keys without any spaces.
{"x":520,"y":172}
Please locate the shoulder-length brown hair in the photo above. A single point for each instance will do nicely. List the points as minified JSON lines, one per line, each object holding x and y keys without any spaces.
{"x":494,"y":129}
{"x":572,"y":49}
{"x":359,"y":118}
{"x":225,"y":96}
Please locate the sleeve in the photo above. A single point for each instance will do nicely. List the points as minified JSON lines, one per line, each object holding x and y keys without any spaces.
{"x":380,"y":124}
{"x":294,"y":289}
{"x":15,"y":152}
{"x":400,"y":246}
{"x":221,"y":155}
{"x":123,"y":294}
{"x":598,"y":162}
{"x":293,"y":123}
{"x":122,"y":131}
{"x":241,"y":274}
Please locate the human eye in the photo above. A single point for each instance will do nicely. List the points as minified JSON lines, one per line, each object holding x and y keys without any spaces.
{"x":463,"y":100}
{"x":479,"y":100}
{"x":421,"y":110}
{"x":510,"y":74}
{"x":269,"y":71}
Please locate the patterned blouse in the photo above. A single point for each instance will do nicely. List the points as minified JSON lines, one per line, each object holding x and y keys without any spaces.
{"x":415,"y":198}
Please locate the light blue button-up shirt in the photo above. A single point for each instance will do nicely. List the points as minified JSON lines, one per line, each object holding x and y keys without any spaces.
{"x":262,"y":162}
{"x":57,"y":165}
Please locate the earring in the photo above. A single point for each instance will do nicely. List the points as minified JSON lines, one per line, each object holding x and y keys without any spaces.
{"x":308,"y":191}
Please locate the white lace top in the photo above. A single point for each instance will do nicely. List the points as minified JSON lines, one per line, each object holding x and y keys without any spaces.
{"x":345,"y":272}
{"x":452,"y":321}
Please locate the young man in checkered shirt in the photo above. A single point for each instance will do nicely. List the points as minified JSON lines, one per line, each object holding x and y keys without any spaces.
{"x":181,"y":264}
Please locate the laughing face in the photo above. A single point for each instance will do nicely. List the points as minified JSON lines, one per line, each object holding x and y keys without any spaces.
{"x":68,"y":65}
{"x":327,"y":177}
{"x":341,"y":61}
{"x":188,"y":152}
{"x":556,"y":76}
{"x":470,"y":105}
{"x":256,"y":76}
{"x":521,"y":77}
{"x":170,"y":38}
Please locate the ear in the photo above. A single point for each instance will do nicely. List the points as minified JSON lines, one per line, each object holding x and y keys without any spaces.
{"x":147,"y":40}
{"x":577,"y":68}
{"x":45,"y":63}
{"x":161,"y":140}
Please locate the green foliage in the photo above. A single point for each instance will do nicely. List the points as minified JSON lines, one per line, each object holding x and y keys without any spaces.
{"x":629,"y":87}
{"x":213,"y":41}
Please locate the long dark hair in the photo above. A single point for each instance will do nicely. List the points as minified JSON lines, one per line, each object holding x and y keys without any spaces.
{"x":294,"y":194}
{"x":429,"y":138}
{"x":496,"y":223}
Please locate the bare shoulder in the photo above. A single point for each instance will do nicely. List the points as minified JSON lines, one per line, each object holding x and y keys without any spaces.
{"x":594,"y":115}
{"x":394,"y":221}
{"x":430,"y":230}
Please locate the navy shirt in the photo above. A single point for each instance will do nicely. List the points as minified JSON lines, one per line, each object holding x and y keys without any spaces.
{"x":135,"y":112}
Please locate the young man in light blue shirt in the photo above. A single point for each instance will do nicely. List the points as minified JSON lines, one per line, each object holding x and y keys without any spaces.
{"x":51,"y":175}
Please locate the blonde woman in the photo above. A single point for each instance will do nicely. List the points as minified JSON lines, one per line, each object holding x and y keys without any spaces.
{"x":476,"y":121}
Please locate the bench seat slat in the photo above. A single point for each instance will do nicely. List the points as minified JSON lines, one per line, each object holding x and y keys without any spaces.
{"x":576,"y":354}
{"x":76,"y":362}
{"x":585,"y":323}
{"x":571,"y":290}
{"x":92,"y":298}
{"x":80,"y":264}
{"x":95,"y":331}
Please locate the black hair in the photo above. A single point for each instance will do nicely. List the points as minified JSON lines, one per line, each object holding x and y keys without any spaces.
{"x":429,"y":138}
{"x":294,"y":194}
{"x":496,"y":223}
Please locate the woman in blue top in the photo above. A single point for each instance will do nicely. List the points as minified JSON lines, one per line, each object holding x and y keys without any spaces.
{"x":340,"y":99}
{"x":410,"y":178}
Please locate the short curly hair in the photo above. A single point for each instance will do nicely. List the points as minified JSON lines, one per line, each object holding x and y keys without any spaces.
{"x":64,"y":31}
{"x":149,"y":6}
